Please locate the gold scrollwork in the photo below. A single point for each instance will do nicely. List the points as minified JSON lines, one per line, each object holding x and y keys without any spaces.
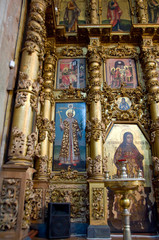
{"x":71,"y":52}
{"x":9,"y":204}
{"x":98,"y":203}
{"x":44,"y":125}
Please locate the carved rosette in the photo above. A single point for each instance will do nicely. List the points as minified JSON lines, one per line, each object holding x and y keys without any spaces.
{"x":9,"y":203}
{"x":29,"y":196}
{"x":141,"y":11}
{"x":98,"y":204}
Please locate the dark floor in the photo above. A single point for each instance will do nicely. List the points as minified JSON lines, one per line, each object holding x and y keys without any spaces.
{"x":113,"y":237}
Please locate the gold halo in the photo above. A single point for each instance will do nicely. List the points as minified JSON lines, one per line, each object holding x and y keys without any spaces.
{"x":70,"y":110}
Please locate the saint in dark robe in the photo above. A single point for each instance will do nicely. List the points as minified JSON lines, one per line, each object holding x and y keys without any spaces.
{"x":128,"y":151}
{"x":71,"y":16}
{"x":70,"y":153}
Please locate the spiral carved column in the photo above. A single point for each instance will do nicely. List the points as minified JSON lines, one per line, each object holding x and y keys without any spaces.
{"x":141,"y":11}
{"x":152,"y":84}
{"x":45,"y":123}
{"x":94,"y":96}
{"x":22,"y":143}
{"x":97,"y":191}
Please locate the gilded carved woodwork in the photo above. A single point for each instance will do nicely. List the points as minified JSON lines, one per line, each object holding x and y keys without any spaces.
{"x":9,"y":203}
{"x":98,"y":203}
{"x":71,"y":93}
{"x":46,"y":128}
{"x":142,"y":11}
{"x":137,"y":112}
{"x":76,"y":195}
{"x":94,"y":12}
{"x":120,"y":50}
{"x":68,"y":175}
{"x":96,"y":166}
{"x":17,"y":147}
{"x":36,"y":31}
{"x":71,"y":52}
{"x":94,"y":129}
{"x":29,"y":196}
{"x":37,"y":204}
{"x":41,"y":166}
{"x":155,"y":161}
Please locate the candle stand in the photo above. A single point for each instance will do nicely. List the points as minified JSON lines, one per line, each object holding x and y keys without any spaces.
{"x":124,"y":185}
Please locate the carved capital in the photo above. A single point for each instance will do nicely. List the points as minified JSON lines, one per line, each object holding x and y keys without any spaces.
{"x":94,"y":129}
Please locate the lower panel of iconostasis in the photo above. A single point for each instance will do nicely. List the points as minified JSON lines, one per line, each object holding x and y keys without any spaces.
{"x":143,"y":208}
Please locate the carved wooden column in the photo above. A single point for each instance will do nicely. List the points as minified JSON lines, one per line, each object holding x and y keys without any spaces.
{"x":141,"y":11}
{"x":97,"y":192}
{"x":94,"y":12}
{"x":149,"y":56}
{"x":27,"y":92}
{"x":152,"y":84}
{"x":45,"y":121}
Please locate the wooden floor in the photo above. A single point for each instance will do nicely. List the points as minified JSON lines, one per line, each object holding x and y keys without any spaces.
{"x":113,"y":237}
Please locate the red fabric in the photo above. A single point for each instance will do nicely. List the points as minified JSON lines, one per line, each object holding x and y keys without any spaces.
{"x":114,"y":14}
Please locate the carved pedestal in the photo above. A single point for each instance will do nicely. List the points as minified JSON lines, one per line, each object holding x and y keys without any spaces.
{"x":98,"y":227}
{"x":15,"y":201}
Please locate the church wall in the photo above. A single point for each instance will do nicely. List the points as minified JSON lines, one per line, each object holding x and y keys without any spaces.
{"x":11,"y":11}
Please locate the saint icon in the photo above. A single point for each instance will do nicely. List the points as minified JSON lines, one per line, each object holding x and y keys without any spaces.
{"x":128,"y":151}
{"x":69,"y":152}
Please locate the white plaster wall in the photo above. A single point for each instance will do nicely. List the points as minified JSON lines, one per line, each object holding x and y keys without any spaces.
{"x":9,"y":21}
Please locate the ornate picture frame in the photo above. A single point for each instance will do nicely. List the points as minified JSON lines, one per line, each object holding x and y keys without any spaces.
{"x":70,"y":145}
{"x":121,"y":71}
{"x":71,"y":71}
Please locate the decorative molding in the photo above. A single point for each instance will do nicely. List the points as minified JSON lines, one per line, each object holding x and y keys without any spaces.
{"x":71,"y":52}
{"x":76,"y":196}
{"x":17,"y":147}
{"x":37,"y":204}
{"x":29,"y":196}
{"x":44,"y":125}
{"x":120,"y":51}
{"x":71,"y":93}
{"x":94,"y":129}
{"x":98,"y":203}
{"x":9,"y":204}
{"x":68,"y":175}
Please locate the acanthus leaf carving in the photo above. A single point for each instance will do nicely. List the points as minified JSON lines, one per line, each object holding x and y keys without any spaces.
{"x":9,"y":203}
{"x":98,"y":204}
{"x":44,"y":125}
{"x":17,"y":147}
{"x":72,"y":52}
